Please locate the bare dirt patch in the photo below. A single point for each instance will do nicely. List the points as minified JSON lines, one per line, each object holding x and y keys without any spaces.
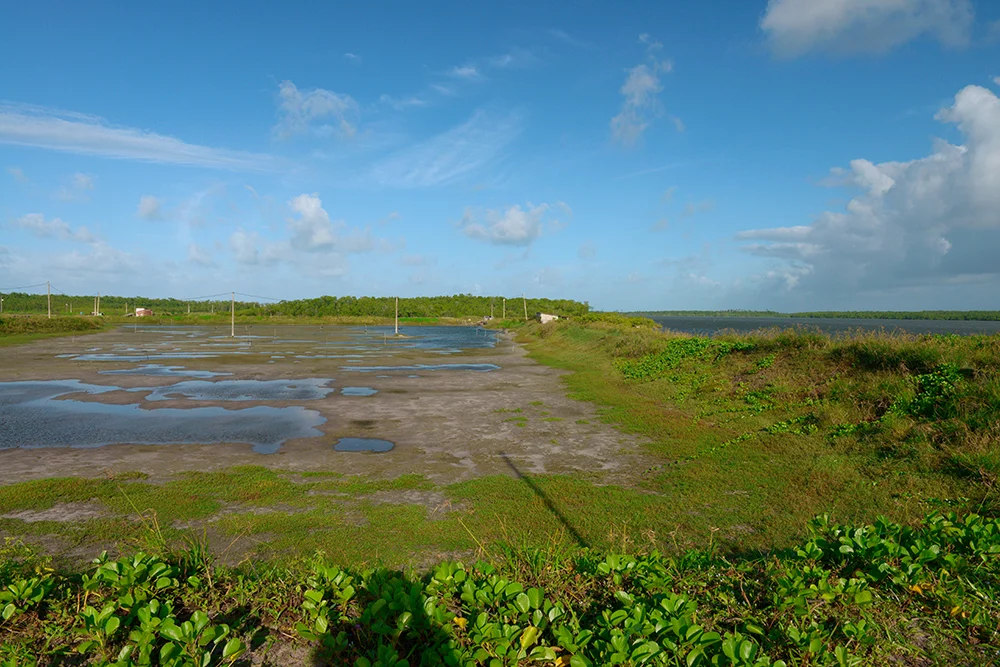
{"x":61,"y":512}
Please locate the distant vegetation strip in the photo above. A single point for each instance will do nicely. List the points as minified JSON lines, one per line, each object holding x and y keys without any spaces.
{"x":459,"y":305}
{"x":13,"y":325}
{"x":976,"y":315}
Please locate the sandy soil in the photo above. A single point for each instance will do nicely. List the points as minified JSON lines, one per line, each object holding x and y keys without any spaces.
{"x":446,"y":425}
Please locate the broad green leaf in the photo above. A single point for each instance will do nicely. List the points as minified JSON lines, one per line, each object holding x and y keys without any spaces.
{"x":529,"y":637}
{"x":234,"y":647}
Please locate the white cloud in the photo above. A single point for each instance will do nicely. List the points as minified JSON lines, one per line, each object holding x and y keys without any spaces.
{"x":641,"y":88}
{"x":79,"y":185}
{"x":149,"y":208}
{"x":449,"y":157}
{"x":200,"y":256}
{"x":401,"y":103}
{"x":443,"y":90}
{"x":514,"y":59}
{"x":925,"y":222}
{"x":513,"y":227}
{"x":587,"y":251}
{"x":312,"y":230}
{"x":668,"y":194}
{"x":24,"y":125}
{"x":54,"y":228}
{"x":996,"y":80}
{"x":82,"y":181}
{"x":353,"y":58}
{"x":795,"y":27}
{"x":465,"y":72}
{"x":566,"y":38}
{"x":303,"y":113}
{"x":694,"y":208}
{"x":249,"y":249}
{"x":17,"y":174}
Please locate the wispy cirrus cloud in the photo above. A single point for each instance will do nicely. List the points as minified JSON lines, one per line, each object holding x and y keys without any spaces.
{"x":466,"y":73}
{"x":40,"y":127}
{"x":450,"y":156}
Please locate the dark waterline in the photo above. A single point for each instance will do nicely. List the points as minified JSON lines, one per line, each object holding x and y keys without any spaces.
{"x":708,"y":326}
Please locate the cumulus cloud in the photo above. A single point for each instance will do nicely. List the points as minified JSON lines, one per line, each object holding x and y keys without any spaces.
{"x":514,"y":226}
{"x":313,"y":231}
{"x":79,"y":185}
{"x":54,"y":228}
{"x":321,"y":112}
{"x":641,"y":90}
{"x":795,"y":27}
{"x":925,"y":222}
{"x":25,"y":125}
{"x":353,"y":58}
{"x":249,"y":249}
{"x":150,"y":208}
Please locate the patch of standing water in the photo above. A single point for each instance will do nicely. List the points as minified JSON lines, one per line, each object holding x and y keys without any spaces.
{"x":33,"y":418}
{"x":144,"y":357}
{"x":309,"y":389}
{"x":157,"y":370}
{"x":358,"y":391}
{"x":480,"y":368}
{"x":363,"y":445}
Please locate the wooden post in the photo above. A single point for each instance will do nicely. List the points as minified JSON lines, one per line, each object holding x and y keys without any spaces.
{"x":397,"y":315}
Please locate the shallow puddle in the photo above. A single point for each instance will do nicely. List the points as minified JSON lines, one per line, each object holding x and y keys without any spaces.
{"x":358,"y":391}
{"x":32,"y":418}
{"x":156,"y":370}
{"x":144,"y":357}
{"x":363,"y":445}
{"x":480,"y":368}
{"x":309,"y":389}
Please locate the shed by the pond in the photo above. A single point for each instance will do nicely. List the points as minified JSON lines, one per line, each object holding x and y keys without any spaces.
{"x":545,"y":318}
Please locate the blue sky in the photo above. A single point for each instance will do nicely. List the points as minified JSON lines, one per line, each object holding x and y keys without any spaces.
{"x":790,"y":154}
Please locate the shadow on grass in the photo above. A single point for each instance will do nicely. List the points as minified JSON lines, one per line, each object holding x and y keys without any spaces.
{"x":577,"y":537}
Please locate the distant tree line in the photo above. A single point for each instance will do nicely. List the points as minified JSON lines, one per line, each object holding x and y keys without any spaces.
{"x":977,"y":315}
{"x":459,"y":305}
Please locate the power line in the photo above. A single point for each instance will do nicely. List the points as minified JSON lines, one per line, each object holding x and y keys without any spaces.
{"x":255,"y":296}
{"x":199,"y":298}
{"x":11,"y":289}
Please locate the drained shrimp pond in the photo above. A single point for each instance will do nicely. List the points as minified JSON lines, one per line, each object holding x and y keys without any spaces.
{"x":444,"y":405}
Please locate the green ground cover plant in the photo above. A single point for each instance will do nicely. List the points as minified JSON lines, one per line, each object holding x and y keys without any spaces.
{"x":845,"y":595}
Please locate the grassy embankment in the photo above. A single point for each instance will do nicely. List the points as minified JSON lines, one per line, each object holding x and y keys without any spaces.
{"x":18,"y":329}
{"x":756,"y":434}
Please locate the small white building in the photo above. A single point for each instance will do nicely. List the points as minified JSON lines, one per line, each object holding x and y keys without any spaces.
{"x":545,"y":318}
{"x":143,"y":312}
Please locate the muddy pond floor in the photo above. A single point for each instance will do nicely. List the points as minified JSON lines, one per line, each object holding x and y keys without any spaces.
{"x":236,"y":438}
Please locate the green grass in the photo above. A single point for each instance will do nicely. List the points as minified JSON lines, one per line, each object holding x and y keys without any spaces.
{"x":20,"y":329}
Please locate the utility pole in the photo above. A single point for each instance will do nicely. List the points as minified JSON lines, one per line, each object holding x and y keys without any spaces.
{"x":525,"y":307}
{"x":397,"y":315}
{"x":503,"y":315}
{"x":189,"y":309}
{"x":48,"y":286}
{"x":98,"y":304}
{"x":491,"y":309}
{"x":232,"y":332}
{"x":1,"y":304}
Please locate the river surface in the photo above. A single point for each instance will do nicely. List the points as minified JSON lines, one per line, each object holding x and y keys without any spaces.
{"x":708,"y":326}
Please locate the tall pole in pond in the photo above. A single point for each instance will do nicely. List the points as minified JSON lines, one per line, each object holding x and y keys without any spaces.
{"x":232,"y":318}
{"x":397,"y":315}
{"x":48,"y":286}
{"x":523,"y":298}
